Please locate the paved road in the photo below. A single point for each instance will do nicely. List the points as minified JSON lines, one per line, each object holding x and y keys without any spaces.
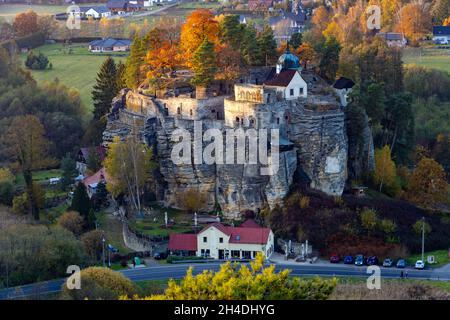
{"x":178,"y":271}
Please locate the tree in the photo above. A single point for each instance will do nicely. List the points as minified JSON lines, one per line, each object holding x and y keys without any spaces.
{"x":250,"y":45}
{"x":93,"y":161}
{"x":440,"y":10}
{"x":385,"y":172}
{"x":71,"y":221}
{"x":204,"y":64}
{"x":25,"y":23}
{"x":28,"y":146}
{"x":417,"y":227}
{"x":80,"y":201}
{"x":388,"y":226}
{"x":47,"y":25}
{"x":100,"y":196}
{"x":100,"y":283}
{"x":231,"y":31}
{"x":427,"y":185}
{"x":120,"y":76}
{"x":128,"y":165}
{"x":246,"y":283}
{"x":193,"y":200}
{"x":36,"y":62}
{"x":329,"y":55}
{"x":93,"y":244}
{"x":267,"y":47}
{"x":296,"y":40}
{"x":134,"y":74}
{"x":105,"y":88}
{"x":69,"y":170}
{"x":306,"y":54}
{"x":7,"y":180}
{"x":415,"y":21}
{"x":369,"y":219}
{"x":200,"y":24}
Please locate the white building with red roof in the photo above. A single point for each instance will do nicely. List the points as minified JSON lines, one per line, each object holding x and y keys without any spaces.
{"x":218,"y":241}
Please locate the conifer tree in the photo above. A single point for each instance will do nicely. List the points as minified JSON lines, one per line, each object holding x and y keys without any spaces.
{"x":81,"y":202}
{"x":204,"y":64}
{"x":120,"y":76}
{"x":267,"y":47}
{"x":105,"y":89}
{"x":134,"y":74}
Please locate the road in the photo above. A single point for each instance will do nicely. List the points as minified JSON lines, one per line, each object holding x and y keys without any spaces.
{"x":178,"y":271}
{"x":145,"y":13}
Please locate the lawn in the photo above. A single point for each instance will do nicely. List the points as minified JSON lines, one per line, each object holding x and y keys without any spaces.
{"x":77,"y":69}
{"x":8,"y":11}
{"x":429,"y":56}
{"x":113,"y":231}
{"x":440,"y":256}
{"x":40,"y":176}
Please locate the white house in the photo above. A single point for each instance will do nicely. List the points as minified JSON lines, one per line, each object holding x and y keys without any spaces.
{"x":98,"y":12}
{"x":218,"y":241}
{"x":290,"y":84}
{"x":441,"y":34}
{"x":393,"y":39}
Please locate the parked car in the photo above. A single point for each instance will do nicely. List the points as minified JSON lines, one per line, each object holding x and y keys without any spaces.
{"x":372,"y":261}
{"x":160,"y":255}
{"x":348,"y":260}
{"x":401,"y":263}
{"x":359,"y":260}
{"x":334,"y":258}
{"x":419,"y":265}
{"x":388,"y":262}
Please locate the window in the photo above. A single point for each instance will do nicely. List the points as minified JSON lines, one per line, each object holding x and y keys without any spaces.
{"x":220,"y":240}
{"x":301,"y":90}
{"x":291,"y":92}
{"x":178,"y":110}
{"x":190,"y":111}
{"x":278,"y":120}
{"x":205,"y":239}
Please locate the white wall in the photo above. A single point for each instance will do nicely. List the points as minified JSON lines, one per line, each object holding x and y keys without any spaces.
{"x":296,"y":84}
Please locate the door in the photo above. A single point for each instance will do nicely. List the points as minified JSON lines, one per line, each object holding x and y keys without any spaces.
{"x":221,"y":254}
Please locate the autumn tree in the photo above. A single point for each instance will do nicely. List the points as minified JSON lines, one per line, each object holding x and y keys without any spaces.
{"x":369,"y":220}
{"x":47,"y":25}
{"x":93,"y":244}
{"x":239,"y":282}
{"x":193,"y":200}
{"x":329,"y":56}
{"x":306,"y":54}
{"x":415,"y":21}
{"x":204,"y":64}
{"x":161,"y":61}
{"x":129,"y":166}
{"x":25,"y":23}
{"x":200,"y":24}
{"x":28,"y":146}
{"x":134,"y":74}
{"x":440,"y":11}
{"x":105,"y":88}
{"x":384,"y":175}
{"x":427,"y":184}
{"x":72,"y":221}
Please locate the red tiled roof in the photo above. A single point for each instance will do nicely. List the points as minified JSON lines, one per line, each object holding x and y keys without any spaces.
{"x":182,"y":241}
{"x":282,"y":79}
{"x":249,"y":234}
{"x":100,"y":175}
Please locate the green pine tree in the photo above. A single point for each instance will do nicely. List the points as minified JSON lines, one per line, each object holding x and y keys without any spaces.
{"x":91,"y":219}
{"x":204,"y":64}
{"x":267,"y":47}
{"x":81,"y":202}
{"x":105,"y":89}
{"x":120,"y":75}
{"x":250,"y":46}
{"x":68,"y":166}
{"x":133,"y":74}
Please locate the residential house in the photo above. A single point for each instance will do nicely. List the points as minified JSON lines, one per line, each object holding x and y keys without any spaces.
{"x":441,"y":34}
{"x":110,"y":45}
{"x":260,"y":5}
{"x":393,"y":39}
{"x":218,"y":241}
{"x":97,"y":12}
{"x":286,"y":24}
{"x":123,"y":6}
{"x":83,"y":157}
{"x":343,"y":86}
{"x":92,"y":182}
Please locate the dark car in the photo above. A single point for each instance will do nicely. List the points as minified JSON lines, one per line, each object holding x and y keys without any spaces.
{"x":160,"y":255}
{"x":359,"y":260}
{"x":388,"y":262}
{"x":348,"y":260}
{"x":372,"y":261}
{"x":401,"y":263}
{"x":334,"y":258}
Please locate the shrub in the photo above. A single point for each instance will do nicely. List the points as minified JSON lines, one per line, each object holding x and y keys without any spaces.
{"x":71,"y":221}
{"x":6,"y":186}
{"x":36,"y":62}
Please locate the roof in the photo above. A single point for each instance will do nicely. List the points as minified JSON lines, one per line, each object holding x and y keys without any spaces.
{"x":282,"y":79}
{"x":343,"y":83}
{"x":110,"y":42}
{"x":183,"y":241}
{"x":98,"y":9}
{"x":298,"y":18}
{"x":441,"y":31}
{"x":101,"y":151}
{"x":259,"y":4}
{"x":391,"y":36}
{"x":250,"y":233}
{"x":117,"y":4}
{"x":96,"y":178}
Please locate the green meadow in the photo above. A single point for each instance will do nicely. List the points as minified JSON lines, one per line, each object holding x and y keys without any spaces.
{"x":75,"y":67}
{"x":430,"y":57}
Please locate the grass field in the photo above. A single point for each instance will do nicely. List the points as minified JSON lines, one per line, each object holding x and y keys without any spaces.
{"x":429,"y":56}
{"x":440,"y":256}
{"x":77,"y":69}
{"x":8,"y":11}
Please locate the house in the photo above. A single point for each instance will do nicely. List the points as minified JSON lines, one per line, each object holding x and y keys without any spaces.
{"x":286,"y":24}
{"x":97,"y":12}
{"x":260,"y":5}
{"x":83,"y":157}
{"x":110,"y":45}
{"x":393,"y":39}
{"x":343,"y":86}
{"x":92,"y":182}
{"x":287,"y":79}
{"x":441,"y":34}
{"x":124,"y":6}
{"x":218,"y":241}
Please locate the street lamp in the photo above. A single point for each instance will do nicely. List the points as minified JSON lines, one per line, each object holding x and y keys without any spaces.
{"x":423,"y":239}
{"x":103,"y":250}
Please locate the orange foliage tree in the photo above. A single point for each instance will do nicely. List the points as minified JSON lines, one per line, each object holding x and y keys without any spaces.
{"x":26,"y":23}
{"x":415,"y":21}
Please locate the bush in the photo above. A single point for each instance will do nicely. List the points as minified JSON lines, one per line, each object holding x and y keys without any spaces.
{"x":36,"y":62}
{"x":71,"y":221}
{"x":31,"y":41}
{"x":100,"y":283}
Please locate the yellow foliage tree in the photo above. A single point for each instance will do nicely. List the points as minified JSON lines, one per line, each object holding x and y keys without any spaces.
{"x":427,"y":184}
{"x":384,"y":174}
{"x":239,"y":282}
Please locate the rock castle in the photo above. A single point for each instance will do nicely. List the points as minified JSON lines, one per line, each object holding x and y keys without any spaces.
{"x":306,"y":111}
